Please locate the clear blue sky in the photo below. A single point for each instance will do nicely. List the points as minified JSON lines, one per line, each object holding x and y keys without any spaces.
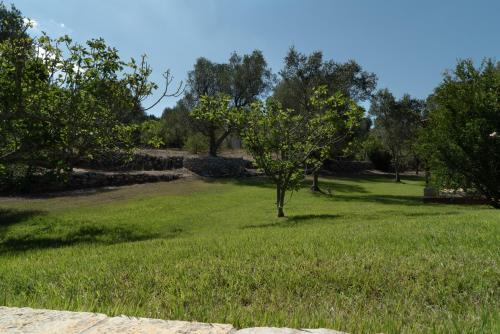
{"x":408,"y":44}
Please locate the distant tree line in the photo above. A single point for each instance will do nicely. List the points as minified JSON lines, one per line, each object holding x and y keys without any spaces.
{"x":62,"y":102}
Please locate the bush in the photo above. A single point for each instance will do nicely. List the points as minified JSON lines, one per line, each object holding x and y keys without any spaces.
{"x":381,"y":160}
{"x":196,"y":143}
{"x":151,"y":134}
{"x":175,"y":125}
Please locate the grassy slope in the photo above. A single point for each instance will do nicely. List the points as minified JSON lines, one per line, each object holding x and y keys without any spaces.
{"x":370,"y":258}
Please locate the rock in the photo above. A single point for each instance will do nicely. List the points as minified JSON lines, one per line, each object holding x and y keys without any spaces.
{"x":27,"y":320}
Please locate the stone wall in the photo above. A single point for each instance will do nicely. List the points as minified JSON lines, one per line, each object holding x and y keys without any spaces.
{"x":216,"y":166}
{"x":96,"y":179}
{"x":84,"y":180}
{"x":137,"y":161}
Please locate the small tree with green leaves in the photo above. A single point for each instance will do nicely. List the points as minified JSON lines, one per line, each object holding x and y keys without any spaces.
{"x":282,"y":141}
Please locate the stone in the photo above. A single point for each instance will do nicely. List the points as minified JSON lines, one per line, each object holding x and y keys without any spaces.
{"x":131,"y":325}
{"x":27,"y":320}
{"x":34,"y":321}
{"x":216,"y":166}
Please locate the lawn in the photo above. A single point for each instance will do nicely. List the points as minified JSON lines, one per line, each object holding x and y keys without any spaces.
{"x":370,"y":257}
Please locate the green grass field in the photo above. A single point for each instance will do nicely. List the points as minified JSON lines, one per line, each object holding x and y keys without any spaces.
{"x":369,"y":258}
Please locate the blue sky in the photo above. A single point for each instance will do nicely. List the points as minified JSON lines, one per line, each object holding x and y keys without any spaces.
{"x":408,"y":44}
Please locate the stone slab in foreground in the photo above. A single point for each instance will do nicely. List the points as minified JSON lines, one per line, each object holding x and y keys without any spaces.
{"x":38,"y":321}
{"x":34,"y":321}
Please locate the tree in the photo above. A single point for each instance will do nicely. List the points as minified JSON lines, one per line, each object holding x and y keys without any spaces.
{"x":243,"y":79}
{"x":12,"y":23}
{"x":217,"y":114}
{"x":396,"y":124}
{"x":176,"y":125}
{"x":151,"y":133}
{"x":302,"y":74}
{"x":61,"y":101}
{"x":282,"y":141}
{"x":461,"y":144}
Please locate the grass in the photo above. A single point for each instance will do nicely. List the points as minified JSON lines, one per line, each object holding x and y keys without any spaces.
{"x":368,"y":258}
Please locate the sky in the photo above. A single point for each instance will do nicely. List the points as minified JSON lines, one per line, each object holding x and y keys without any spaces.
{"x":408,"y":44}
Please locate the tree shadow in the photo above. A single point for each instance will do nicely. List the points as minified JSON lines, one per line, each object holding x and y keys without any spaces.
{"x":83,"y":235}
{"x":9,"y":217}
{"x":382,"y":199}
{"x":13,"y":216}
{"x":328,"y":185}
{"x":250,"y":181}
{"x":70,"y":193}
{"x":293,"y":221}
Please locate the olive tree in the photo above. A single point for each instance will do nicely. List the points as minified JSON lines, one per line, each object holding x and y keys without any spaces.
{"x":243,"y":79}
{"x":396,"y":124}
{"x":301,"y":75}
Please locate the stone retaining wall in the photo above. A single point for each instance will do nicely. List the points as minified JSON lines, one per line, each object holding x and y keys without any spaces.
{"x":216,"y":166}
{"x":137,"y":161}
{"x":97,"y":179}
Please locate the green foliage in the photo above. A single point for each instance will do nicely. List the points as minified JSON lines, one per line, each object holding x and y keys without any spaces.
{"x":176,"y":125}
{"x":151,"y":133}
{"x":217,"y":116}
{"x":283,"y":141}
{"x":196,"y":143}
{"x":62,"y":102}
{"x":377,"y":153}
{"x":12,"y":23}
{"x":240,"y":82}
{"x":458,"y":140}
{"x":302,"y":74}
{"x":396,"y":124}
{"x":370,"y":259}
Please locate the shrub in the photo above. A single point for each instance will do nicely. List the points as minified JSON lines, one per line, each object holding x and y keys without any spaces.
{"x":196,"y":143}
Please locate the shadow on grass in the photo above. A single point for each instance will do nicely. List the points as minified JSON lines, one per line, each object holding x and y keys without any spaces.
{"x":13,"y":216}
{"x":83,"y":235}
{"x":328,"y":185}
{"x":9,"y":217}
{"x":294,"y":221}
{"x":382,"y":199}
{"x":70,"y":193}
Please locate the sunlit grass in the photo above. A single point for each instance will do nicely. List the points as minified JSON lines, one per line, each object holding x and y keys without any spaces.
{"x":369,"y":258}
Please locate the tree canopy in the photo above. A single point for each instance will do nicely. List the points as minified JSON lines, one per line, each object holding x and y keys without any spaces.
{"x":396,"y":123}
{"x":243,"y":79}
{"x":464,"y":116}
{"x":282,"y":141}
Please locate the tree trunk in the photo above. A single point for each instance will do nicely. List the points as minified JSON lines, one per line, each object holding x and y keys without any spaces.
{"x":396,"y":169}
{"x":315,"y":184}
{"x":213,"y":144}
{"x":398,"y":178}
{"x":427,"y":176}
{"x":280,"y":200}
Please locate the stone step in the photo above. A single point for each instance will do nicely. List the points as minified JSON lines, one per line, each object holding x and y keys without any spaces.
{"x":15,"y":320}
